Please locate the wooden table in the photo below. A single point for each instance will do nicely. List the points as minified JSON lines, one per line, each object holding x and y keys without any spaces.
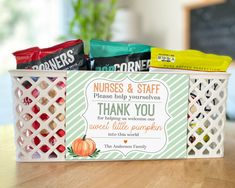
{"x":194,"y":173}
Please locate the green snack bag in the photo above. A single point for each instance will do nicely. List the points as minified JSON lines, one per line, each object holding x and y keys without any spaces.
{"x":116,"y":56}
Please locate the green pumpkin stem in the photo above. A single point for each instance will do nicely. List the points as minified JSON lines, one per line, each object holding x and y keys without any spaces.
{"x":84,"y":137}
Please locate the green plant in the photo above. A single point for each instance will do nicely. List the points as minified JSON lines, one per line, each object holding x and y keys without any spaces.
{"x":92,"y":20}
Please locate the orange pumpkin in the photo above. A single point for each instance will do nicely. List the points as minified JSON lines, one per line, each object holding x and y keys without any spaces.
{"x":83,"y":146}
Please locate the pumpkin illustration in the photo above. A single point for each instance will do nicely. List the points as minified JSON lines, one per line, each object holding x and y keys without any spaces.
{"x":83,"y":146}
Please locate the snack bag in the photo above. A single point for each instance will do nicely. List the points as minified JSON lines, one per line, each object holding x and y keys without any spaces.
{"x":65,"y":56}
{"x":189,"y":60}
{"x":25,"y":57}
{"x":115,"y":56}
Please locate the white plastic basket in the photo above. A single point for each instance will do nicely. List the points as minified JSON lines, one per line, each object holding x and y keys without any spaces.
{"x":39,"y":108}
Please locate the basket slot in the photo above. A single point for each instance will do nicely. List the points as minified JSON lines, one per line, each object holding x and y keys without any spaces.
{"x":40,"y":117}
{"x":206,"y":117}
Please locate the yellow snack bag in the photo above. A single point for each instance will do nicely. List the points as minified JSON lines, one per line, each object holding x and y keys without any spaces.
{"x":189,"y":60}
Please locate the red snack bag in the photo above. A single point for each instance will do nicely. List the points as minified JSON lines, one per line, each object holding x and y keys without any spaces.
{"x":23,"y":57}
{"x":65,"y":56}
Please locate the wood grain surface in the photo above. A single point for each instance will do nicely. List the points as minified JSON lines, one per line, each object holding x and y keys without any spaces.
{"x":195,"y":173}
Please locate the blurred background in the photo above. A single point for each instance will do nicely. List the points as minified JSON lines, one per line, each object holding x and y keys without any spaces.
{"x":207,"y":25}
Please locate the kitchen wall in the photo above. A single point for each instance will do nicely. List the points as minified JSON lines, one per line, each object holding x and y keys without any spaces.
{"x":162,"y":21}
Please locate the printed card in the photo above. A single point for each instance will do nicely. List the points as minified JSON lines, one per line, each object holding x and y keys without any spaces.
{"x":126,"y":116}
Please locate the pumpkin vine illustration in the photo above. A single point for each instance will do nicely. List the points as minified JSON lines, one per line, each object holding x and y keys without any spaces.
{"x":83,"y":147}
